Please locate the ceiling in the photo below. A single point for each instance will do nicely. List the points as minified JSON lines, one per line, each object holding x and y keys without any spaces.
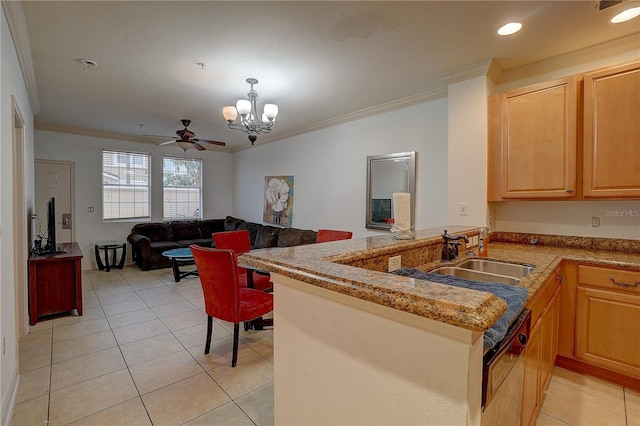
{"x":321,"y":62}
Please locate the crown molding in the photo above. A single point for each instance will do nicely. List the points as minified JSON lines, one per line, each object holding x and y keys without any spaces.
{"x":620,"y":45}
{"x":71,"y":130}
{"x":420,"y":98}
{"x":467,"y":72}
{"x":14,"y":14}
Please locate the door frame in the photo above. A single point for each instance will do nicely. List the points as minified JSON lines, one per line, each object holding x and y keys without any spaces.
{"x":21,"y":248}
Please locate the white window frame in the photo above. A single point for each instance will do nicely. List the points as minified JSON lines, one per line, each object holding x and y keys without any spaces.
{"x":178,"y":201}
{"x":130,"y":176}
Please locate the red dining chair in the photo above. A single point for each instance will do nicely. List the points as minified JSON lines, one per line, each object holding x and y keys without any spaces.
{"x":326,"y":235}
{"x":224,"y":297}
{"x":239,"y":242}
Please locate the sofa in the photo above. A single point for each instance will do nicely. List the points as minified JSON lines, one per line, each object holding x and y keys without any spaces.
{"x":149,"y":240}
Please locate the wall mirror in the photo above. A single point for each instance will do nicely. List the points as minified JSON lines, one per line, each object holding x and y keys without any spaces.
{"x":387,"y":174}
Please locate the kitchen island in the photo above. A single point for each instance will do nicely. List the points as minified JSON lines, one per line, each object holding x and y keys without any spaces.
{"x":354,"y":344}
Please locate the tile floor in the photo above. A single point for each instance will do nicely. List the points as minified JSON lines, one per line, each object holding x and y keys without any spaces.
{"x":574,"y":399}
{"x":136,"y":357}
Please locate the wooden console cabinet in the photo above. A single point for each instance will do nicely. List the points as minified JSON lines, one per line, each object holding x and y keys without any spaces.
{"x":55,"y":283}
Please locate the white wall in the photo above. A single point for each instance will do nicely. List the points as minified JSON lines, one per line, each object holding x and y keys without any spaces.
{"x":467,"y":167}
{"x":570,"y":217}
{"x":86,"y":153}
{"x":11,"y":84}
{"x":330,"y":167}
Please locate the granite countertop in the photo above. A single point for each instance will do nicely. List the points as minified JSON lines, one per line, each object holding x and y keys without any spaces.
{"x":474,"y":310}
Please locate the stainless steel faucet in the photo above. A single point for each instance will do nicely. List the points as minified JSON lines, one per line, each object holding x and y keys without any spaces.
{"x":450,"y":246}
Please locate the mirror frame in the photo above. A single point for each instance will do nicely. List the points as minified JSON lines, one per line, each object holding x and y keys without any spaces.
{"x":411,"y":157}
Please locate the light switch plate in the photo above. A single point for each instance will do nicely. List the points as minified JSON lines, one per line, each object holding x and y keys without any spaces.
{"x":395,"y":263}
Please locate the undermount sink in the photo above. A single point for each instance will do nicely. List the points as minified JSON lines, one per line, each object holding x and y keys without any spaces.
{"x":500,"y":268}
{"x":487,"y":270}
{"x":472,"y":275}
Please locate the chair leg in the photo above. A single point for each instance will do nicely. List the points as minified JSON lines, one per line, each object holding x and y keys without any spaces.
{"x":207,"y":345}
{"x":236,"y":332}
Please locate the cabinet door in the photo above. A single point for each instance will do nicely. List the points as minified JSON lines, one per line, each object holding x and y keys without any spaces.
{"x":607,"y":330}
{"x":549,"y":344}
{"x":612,"y":132}
{"x":538,"y":141}
{"x":530,"y":394}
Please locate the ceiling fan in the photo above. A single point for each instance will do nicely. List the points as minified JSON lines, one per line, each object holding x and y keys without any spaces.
{"x":186,"y":139}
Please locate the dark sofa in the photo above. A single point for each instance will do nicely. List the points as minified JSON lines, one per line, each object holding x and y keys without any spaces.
{"x":149,"y":240}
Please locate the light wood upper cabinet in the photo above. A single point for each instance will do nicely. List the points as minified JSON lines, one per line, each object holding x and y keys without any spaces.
{"x":575,"y":138}
{"x":533,"y":153}
{"x":612,"y":132}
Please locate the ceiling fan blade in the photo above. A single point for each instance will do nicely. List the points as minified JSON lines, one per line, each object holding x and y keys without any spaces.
{"x":199,"y":147}
{"x":167,"y":142}
{"x":159,"y":136}
{"x":209,"y":141}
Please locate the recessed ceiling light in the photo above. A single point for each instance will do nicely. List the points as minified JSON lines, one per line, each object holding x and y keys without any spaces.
{"x":626,"y":15}
{"x":510,"y":28}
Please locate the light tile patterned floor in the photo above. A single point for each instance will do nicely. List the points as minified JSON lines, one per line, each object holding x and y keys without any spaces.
{"x":136,"y":357}
{"x":577,"y":400}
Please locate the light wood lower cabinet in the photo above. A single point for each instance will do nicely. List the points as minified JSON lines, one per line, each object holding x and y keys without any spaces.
{"x":600,"y":323}
{"x":541,"y":349}
{"x":608,"y":330}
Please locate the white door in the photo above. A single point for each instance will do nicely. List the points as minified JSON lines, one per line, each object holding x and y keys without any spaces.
{"x":55,"y":179}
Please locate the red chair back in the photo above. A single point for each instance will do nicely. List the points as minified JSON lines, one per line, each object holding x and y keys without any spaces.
{"x":326,"y":235}
{"x":220,"y":282}
{"x":238,"y":241}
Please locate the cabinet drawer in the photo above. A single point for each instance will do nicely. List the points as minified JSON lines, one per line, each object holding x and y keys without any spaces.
{"x":609,"y":279}
{"x":543,"y":297}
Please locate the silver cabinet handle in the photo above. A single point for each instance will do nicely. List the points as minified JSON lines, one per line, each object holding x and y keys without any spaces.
{"x":637,"y":283}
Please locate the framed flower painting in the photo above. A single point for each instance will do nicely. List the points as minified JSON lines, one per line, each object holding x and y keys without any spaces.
{"x":278,"y":200}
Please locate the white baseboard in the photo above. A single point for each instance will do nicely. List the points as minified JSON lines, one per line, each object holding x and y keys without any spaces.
{"x":9,"y":402}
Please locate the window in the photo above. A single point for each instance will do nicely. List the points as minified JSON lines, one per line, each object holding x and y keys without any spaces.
{"x":125,"y":185}
{"x":181,"y":183}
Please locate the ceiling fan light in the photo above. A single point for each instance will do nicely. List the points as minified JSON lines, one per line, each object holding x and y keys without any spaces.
{"x":510,"y":28}
{"x":271,"y":111}
{"x":230,"y":113}
{"x":626,"y":15}
{"x":185,"y":145}
{"x":243,"y":106}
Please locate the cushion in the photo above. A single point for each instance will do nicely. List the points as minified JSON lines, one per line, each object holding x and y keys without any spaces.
{"x":204,"y":242}
{"x":295,"y":237}
{"x":209,"y":226}
{"x":185,"y":229}
{"x":231,"y":223}
{"x":253,"y":230}
{"x":162,"y":246}
{"x":155,"y":231}
{"x":267,"y":236}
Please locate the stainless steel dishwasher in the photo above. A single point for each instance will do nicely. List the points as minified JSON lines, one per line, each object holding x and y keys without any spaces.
{"x":503,"y":375}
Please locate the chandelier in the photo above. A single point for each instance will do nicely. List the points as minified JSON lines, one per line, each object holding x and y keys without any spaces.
{"x":250,"y":121}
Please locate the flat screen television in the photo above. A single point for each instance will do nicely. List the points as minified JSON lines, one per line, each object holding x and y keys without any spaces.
{"x":51,"y":247}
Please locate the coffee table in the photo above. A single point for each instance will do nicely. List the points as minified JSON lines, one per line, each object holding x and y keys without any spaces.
{"x":180,"y":257}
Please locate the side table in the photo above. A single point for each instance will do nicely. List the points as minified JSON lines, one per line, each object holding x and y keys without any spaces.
{"x":55,"y":283}
{"x":113,"y":247}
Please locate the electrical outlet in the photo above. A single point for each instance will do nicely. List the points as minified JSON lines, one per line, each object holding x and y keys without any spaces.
{"x":474,"y":241}
{"x":462,"y":210}
{"x":395,"y":263}
{"x":595,"y":221}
